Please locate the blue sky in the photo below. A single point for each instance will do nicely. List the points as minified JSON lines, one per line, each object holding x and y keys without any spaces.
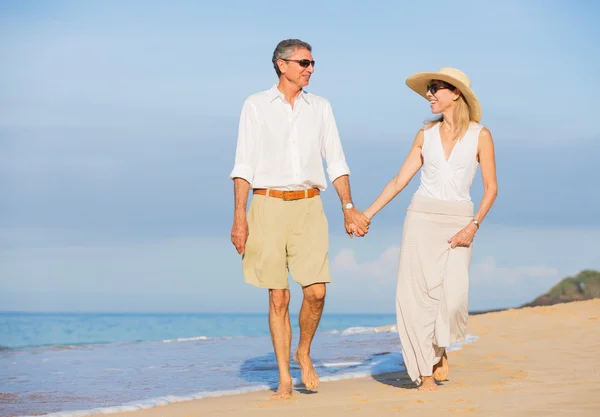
{"x":118,"y":125}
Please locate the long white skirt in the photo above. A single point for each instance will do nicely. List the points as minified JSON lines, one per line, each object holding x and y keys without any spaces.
{"x":433,"y":282}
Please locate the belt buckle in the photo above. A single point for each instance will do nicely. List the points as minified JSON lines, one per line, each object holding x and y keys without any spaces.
{"x":294,"y":195}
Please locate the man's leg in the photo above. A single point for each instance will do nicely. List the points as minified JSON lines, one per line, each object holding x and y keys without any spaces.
{"x":281,"y":335}
{"x":310,"y":315}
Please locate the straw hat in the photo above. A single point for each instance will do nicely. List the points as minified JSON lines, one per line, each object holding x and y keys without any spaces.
{"x":418,"y":82}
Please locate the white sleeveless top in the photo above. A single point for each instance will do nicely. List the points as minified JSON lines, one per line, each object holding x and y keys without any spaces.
{"x":451,"y":179}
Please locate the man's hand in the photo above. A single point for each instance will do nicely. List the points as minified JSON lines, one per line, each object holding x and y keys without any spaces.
{"x":356,"y":223}
{"x":239,"y":232}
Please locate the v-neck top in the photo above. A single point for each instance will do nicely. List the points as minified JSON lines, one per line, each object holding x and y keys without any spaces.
{"x":449,"y":179}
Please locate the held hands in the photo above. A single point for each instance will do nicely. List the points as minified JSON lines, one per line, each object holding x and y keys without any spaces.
{"x":356,"y":223}
{"x":464,"y":237}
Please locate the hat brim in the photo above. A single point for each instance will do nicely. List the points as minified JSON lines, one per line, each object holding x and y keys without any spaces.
{"x":418,"y":83}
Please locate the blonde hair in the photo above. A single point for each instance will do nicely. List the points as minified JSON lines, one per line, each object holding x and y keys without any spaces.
{"x":462,"y":117}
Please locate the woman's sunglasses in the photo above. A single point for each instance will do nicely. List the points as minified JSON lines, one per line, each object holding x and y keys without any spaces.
{"x":435,"y":87}
{"x":304,"y":63}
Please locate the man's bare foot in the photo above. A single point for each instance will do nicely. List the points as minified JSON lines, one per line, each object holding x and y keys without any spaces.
{"x":284,"y":390}
{"x":441,"y":370}
{"x":427,"y":384}
{"x":309,"y":376}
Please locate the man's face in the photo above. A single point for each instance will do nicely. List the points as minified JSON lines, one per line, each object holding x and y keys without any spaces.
{"x":293,"y":71}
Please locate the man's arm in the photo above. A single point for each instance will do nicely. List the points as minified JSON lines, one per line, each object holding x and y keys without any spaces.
{"x":239,"y":231}
{"x":354,"y":220}
{"x":243,"y":174}
{"x":338,"y":172}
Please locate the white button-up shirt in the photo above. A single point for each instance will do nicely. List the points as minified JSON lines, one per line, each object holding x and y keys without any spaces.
{"x":282,"y":148}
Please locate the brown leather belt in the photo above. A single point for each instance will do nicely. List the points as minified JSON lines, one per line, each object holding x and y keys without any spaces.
{"x":288,"y":195}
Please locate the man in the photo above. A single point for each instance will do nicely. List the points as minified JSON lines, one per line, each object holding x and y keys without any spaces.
{"x":284,"y":134}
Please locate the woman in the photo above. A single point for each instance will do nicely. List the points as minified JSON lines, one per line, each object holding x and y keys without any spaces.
{"x":433,"y":273}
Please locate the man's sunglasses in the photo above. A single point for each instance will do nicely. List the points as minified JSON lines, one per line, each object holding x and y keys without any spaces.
{"x":435,"y":87}
{"x":304,"y":63}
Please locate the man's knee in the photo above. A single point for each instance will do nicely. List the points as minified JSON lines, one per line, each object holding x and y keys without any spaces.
{"x":315,"y":294}
{"x":279,"y":300}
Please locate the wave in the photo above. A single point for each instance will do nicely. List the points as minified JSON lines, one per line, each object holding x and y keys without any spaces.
{"x":364,"y":330}
{"x":187,"y":339}
{"x":347,"y":332}
{"x":66,"y":346}
{"x":154,"y":402}
{"x":103,"y":343}
{"x":339,"y":364}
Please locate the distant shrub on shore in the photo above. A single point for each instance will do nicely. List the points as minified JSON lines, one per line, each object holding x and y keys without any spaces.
{"x":583,"y":286}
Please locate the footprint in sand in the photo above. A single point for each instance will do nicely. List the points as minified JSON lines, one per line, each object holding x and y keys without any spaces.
{"x":518,"y":375}
{"x":459,"y":410}
{"x":387,"y":410}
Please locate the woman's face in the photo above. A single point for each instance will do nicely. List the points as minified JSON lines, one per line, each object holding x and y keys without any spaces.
{"x":441,"y":96}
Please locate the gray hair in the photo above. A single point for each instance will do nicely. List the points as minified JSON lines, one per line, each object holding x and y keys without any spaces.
{"x":286,"y":48}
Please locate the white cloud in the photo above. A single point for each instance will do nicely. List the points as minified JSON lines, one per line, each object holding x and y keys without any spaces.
{"x":487,"y":271}
{"x":494,"y":286}
{"x":383,"y":267}
{"x":491,"y":285}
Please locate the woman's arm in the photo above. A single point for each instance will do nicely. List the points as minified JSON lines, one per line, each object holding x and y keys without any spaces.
{"x":485,"y":154}
{"x":487,"y":161}
{"x":409,"y":168}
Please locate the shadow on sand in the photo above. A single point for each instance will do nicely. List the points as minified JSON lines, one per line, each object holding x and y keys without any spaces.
{"x":398,"y":378}
{"x":395,"y":379}
{"x":263,"y":370}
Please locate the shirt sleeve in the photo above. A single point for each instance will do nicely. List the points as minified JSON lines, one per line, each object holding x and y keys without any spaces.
{"x":332,"y":147}
{"x":247,"y":145}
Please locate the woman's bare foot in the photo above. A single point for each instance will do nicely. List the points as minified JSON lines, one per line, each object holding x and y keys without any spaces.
{"x":427,"y":384}
{"x":441,"y":370}
{"x":284,"y":390}
{"x":309,"y":376}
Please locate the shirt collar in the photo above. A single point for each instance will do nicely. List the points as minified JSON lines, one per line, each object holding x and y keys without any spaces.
{"x":274,"y":93}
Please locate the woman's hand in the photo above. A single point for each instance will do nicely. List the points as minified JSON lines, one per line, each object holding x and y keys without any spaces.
{"x":464,"y":237}
{"x":356,"y":223}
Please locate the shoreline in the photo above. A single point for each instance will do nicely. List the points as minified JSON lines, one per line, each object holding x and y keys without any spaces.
{"x":526,"y":361}
{"x":479,"y":329}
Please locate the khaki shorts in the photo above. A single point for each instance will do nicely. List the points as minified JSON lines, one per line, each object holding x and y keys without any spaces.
{"x":286,"y":236}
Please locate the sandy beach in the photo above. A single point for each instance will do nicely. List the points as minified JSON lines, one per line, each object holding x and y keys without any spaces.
{"x":540,"y":361}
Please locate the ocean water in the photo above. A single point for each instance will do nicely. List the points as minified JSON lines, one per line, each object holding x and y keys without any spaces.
{"x":84,"y":364}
